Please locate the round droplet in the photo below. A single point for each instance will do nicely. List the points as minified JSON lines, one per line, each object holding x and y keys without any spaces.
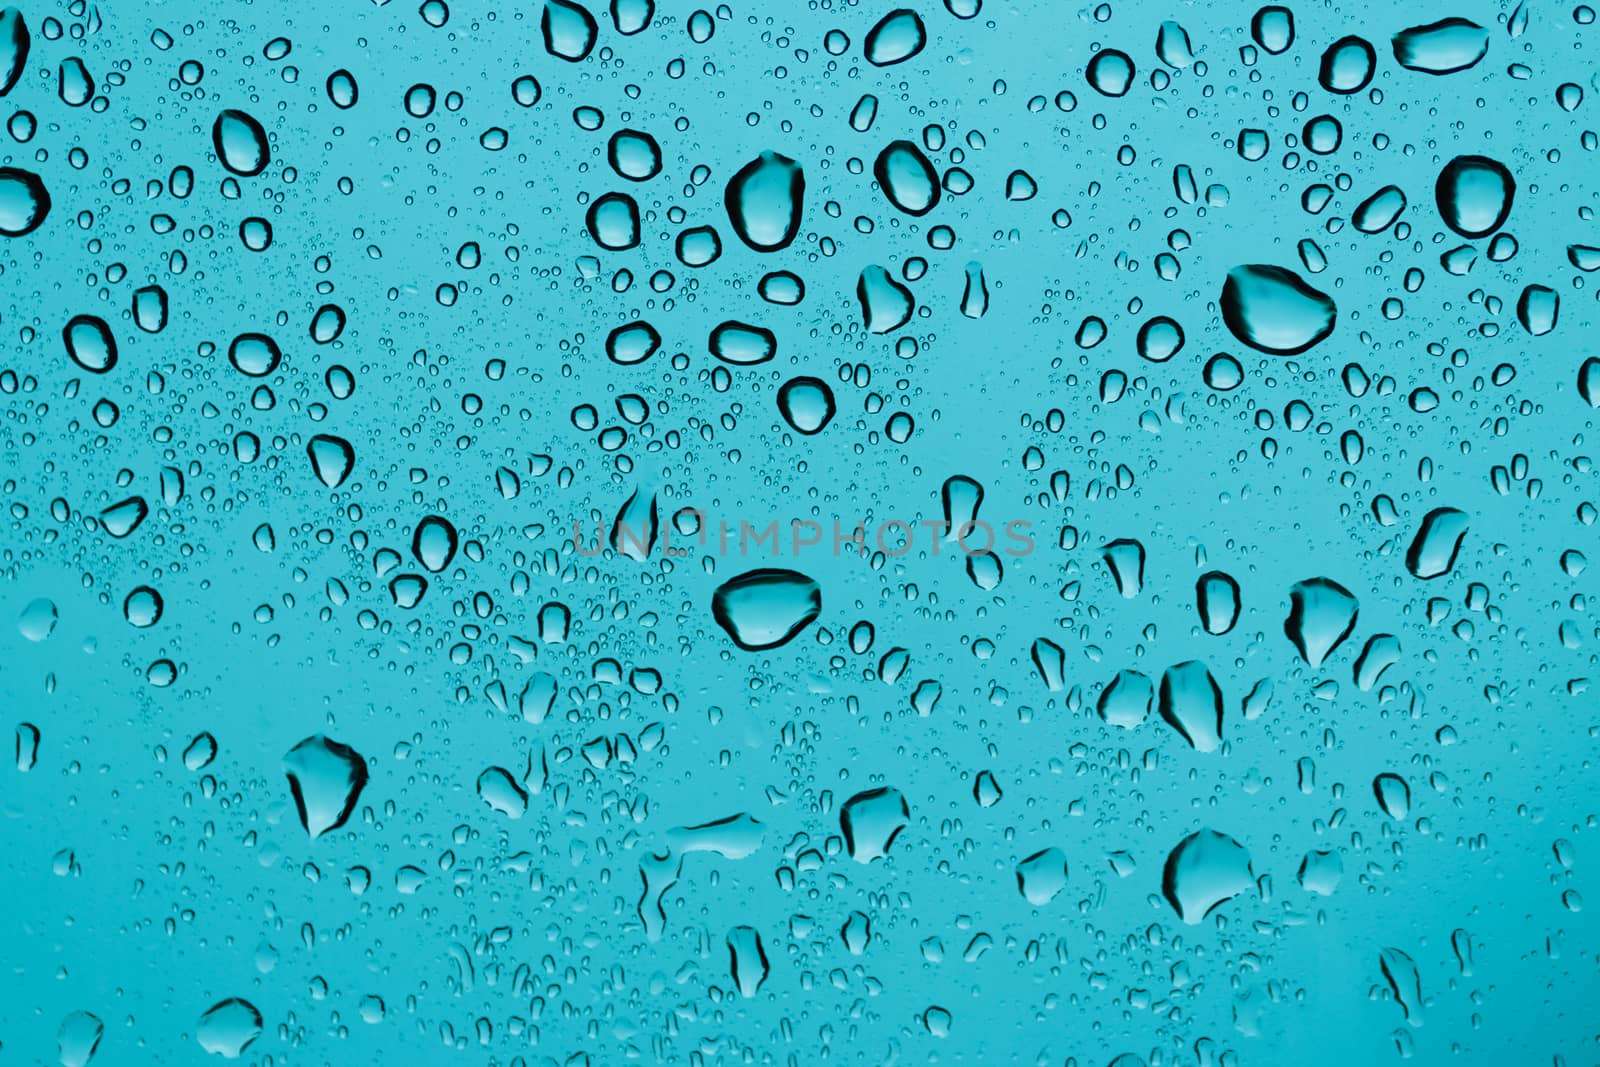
{"x":1273,"y":29}
{"x":254,"y":354}
{"x":1474,"y":194}
{"x":143,"y":607}
{"x":907,"y":178}
{"x":764,"y":201}
{"x":1272,"y":309}
{"x":613,"y":221}
{"x":1347,"y":65}
{"x":634,"y":155}
{"x":1160,"y":339}
{"x":240,"y":142}
{"x":1223,"y":373}
{"x":90,"y":344}
{"x":633,"y":343}
{"x":806,"y":404}
{"x":1322,"y":135}
{"x":342,"y":89}
{"x":24,"y":202}
{"x":434,"y":543}
{"x":897,"y":37}
{"x":1110,"y":72}
{"x":766,"y":608}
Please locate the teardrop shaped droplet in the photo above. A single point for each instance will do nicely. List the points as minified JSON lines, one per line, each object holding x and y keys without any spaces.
{"x":1443,"y":47}
{"x":1321,"y":615}
{"x":90,"y":344}
{"x":24,"y":202}
{"x":569,"y":30}
{"x":871,"y":820}
{"x":764,"y":200}
{"x":240,"y":142}
{"x":907,"y":178}
{"x":1272,"y":309}
{"x":434,"y":542}
{"x":766,"y":608}
{"x":1393,"y":795}
{"x":326,"y":778}
{"x":1124,"y":558}
{"x":1191,"y":703}
{"x":1203,"y":872}
{"x":332,"y":458}
{"x":895,"y":38}
{"x":806,"y":404}
{"x":1217,"y":596}
{"x":1474,"y":194}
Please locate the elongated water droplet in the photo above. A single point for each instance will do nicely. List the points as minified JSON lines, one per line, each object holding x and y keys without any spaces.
{"x":895,"y":38}
{"x":1400,"y":971}
{"x":200,"y":751}
{"x":1172,"y":46}
{"x":326,"y":778}
{"x":1124,"y":558}
{"x":1191,"y":703}
{"x":1321,"y":615}
{"x":907,"y":178}
{"x":747,"y":960}
{"x":974,"y":292}
{"x":90,"y":344}
{"x":856,"y":933}
{"x":871,"y":821}
{"x":78,"y":1037}
{"x":1433,"y":551}
{"x":766,"y":608}
{"x":240,"y":142}
{"x":1203,"y":872}
{"x":14,"y":44}
{"x":1272,"y":309}
{"x":742,"y":344}
{"x":1442,"y":47}
{"x":124,"y":517}
{"x":1217,"y":596}
{"x":1381,"y":652}
{"x":1377,"y":212}
{"x":764,"y":200}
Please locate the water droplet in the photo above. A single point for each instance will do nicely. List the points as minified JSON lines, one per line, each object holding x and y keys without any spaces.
{"x":342,"y":89}
{"x":1537,"y":309}
{"x":886,"y":305}
{"x":1393,"y":795}
{"x":326,"y":778}
{"x":142,"y":607}
{"x":632,"y":343}
{"x":764,"y":200}
{"x":1173,"y":47}
{"x":897,"y":37}
{"x":228,"y":1028}
{"x":907,"y":178}
{"x":1272,"y":309}
{"x":1347,"y":66}
{"x":1321,"y":615}
{"x":1377,"y":212}
{"x":1320,"y":872}
{"x":1124,"y":558}
{"x":1272,"y":27}
{"x":1110,"y":72}
{"x":1126,"y":700}
{"x":1191,"y":703}
{"x":78,"y":1037}
{"x":1217,"y":595}
{"x":199,"y":753}
{"x":1433,"y":551}
{"x":240,"y":142}
{"x":1400,"y":971}
{"x":1442,"y":47}
{"x":434,"y":543}
{"x":14,"y":44}
{"x":1206,"y":870}
{"x":747,"y":960}
{"x":254,"y":354}
{"x":742,"y":344}
{"x":569,"y":30}
{"x":806,"y":404}
{"x":613,"y":221}
{"x":634,"y":155}
{"x":1159,"y":339}
{"x":332,"y":459}
{"x":871,"y":821}
{"x":500,"y":791}
{"x":766,"y":608}
{"x":90,"y":344}
{"x":1474,"y":195}
{"x":1042,"y":876}
{"x":24,"y":202}
{"x":124,"y":517}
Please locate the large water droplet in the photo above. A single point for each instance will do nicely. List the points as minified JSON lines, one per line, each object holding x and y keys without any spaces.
{"x":1474,"y":195}
{"x":569,"y":30}
{"x":326,"y":778}
{"x":1124,"y":558}
{"x":38,"y":620}
{"x":254,"y":354}
{"x":78,"y":1037}
{"x":766,"y":608}
{"x":634,"y":155}
{"x":742,"y":344}
{"x":1110,"y":72}
{"x":1320,"y":872}
{"x":1126,"y":701}
{"x":1217,"y":596}
{"x":240,"y":142}
{"x":1393,"y":795}
{"x":897,"y":37}
{"x":1347,"y":66}
{"x":907,"y":178}
{"x":871,"y":821}
{"x":1433,"y":551}
{"x":1042,"y":875}
{"x":886,"y":305}
{"x":1272,"y":27}
{"x":1537,"y":309}
{"x":1206,"y":870}
{"x":1321,"y":615}
{"x":747,"y":960}
{"x":14,"y":43}
{"x":90,"y":344}
{"x":806,"y":404}
{"x":1442,"y":47}
{"x":332,"y":458}
{"x":1191,"y":703}
{"x":764,"y":201}
{"x":1400,"y":971}
{"x":434,"y":543}
{"x":1377,"y":212}
{"x":122,"y":518}
{"x":228,"y":1027}
{"x":24,"y":202}
{"x":632,"y":343}
{"x":613,"y":221}
{"x":1272,"y":309}
{"x":498,"y":789}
